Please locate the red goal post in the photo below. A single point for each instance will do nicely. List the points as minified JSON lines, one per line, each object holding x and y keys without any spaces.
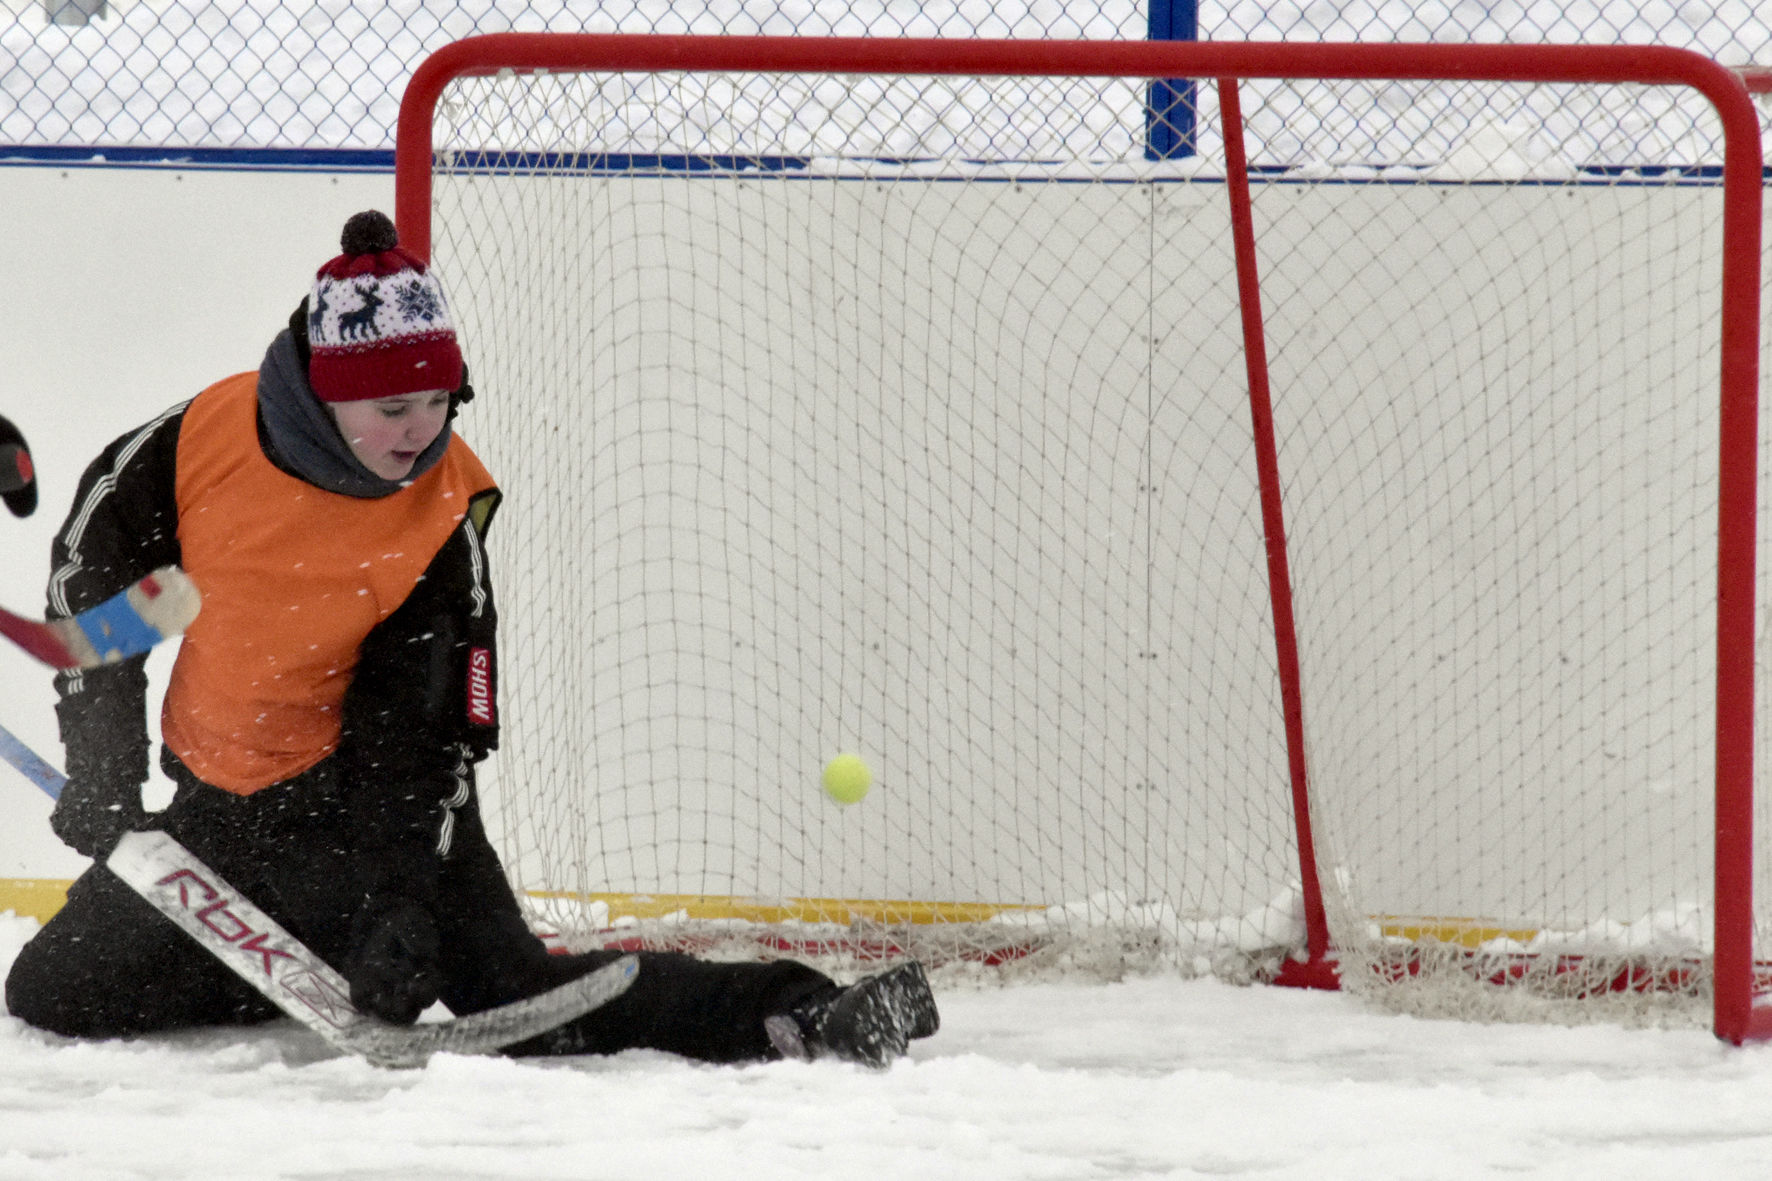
{"x":1736,"y":970}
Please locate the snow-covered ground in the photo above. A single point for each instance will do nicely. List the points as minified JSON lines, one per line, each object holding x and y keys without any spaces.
{"x":1151,"y":1077}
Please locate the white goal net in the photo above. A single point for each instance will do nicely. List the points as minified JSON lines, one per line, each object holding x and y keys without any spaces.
{"x":911,"y":415}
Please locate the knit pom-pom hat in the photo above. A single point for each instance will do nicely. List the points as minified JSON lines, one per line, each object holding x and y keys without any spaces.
{"x":378,"y":324}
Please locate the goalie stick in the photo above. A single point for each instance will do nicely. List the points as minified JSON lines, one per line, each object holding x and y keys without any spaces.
{"x":127,"y":624}
{"x":304,"y":986}
{"x":237,"y":933}
{"x":31,"y":765}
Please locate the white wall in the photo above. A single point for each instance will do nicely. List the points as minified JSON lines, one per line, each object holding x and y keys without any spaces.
{"x":126,"y":290}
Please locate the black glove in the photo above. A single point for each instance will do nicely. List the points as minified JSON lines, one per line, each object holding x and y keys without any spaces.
{"x":18,"y":480}
{"x":92,"y":815}
{"x":393,"y":966}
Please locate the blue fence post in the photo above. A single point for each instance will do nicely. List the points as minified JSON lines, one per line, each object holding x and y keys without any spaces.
{"x":1169,"y":108}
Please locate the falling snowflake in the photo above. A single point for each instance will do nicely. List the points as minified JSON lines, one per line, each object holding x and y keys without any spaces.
{"x":418,"y":301}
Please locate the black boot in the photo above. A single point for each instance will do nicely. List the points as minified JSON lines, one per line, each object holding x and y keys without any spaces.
{"x":872,"y":1021}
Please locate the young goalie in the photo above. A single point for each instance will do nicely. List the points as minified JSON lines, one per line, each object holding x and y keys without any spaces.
{"x":327,"y":708}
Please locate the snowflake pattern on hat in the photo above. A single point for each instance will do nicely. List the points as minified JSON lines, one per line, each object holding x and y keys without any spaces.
{"x":420,"y":301}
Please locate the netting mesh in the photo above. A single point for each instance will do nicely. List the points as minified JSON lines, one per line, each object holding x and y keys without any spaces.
{"x":917,"y":424}
{"x":1455,"y":130}
{"x":1503,"y":530}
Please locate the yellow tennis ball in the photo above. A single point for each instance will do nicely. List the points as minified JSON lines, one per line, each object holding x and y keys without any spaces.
{"x":847,"y":778}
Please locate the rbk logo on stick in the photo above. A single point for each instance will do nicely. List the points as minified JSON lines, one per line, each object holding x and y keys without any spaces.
{"x":218,"y":918}
{"x":213,"y":907}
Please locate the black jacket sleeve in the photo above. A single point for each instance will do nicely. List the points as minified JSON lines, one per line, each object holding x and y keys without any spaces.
{"x":421,"y":708}
{"x":122,"y":526}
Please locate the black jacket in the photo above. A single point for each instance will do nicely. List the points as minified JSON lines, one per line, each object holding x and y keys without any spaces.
{"x":414,"y":721}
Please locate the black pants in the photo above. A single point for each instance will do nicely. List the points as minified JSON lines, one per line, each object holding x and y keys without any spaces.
{"x":109,"y":965}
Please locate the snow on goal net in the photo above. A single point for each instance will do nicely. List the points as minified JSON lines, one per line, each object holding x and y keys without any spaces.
{"x":939,"y":402}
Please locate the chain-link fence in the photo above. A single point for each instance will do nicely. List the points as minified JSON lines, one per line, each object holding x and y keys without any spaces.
{"x":302,"y":74}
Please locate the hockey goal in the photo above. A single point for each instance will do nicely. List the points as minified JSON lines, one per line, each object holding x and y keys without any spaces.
{"x":1297,"y":524}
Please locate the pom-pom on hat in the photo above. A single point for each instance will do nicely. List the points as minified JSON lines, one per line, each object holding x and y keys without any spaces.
{"x":378,"y":324}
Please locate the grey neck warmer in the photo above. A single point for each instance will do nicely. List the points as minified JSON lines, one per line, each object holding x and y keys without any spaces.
{"x":305,"y":441}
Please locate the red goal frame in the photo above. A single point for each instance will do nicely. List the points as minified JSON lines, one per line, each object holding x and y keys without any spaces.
{"x":1737,"y":1017}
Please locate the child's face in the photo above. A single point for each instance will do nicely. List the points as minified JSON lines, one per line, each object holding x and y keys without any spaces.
{"x":388,"y":434}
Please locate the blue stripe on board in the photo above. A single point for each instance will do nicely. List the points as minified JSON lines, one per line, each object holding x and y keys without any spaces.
{"x":236,"y":159}
{"x":495,"y":161}
{"x":616,"y":163}
{"x":1024,"y":171}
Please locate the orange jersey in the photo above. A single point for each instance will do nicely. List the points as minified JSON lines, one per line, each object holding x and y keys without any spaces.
{"x":293,"y":578}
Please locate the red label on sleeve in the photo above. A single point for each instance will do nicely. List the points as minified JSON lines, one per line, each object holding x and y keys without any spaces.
{"x":480,"y":686}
